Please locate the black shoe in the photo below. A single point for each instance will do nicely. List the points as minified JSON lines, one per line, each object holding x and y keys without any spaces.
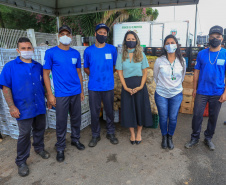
{"x":78,"y":145}
{"x":170,"y":142}
{"x":132,"y":142}
{"x":44,"y":154}
{"x":112,"y":138}
{"x":60,"y":156}
{"x":164,"y":142}
{"x":23,"y":170}
{"x":191,"y":143}
{"x":94,"y":141}
{"x":209,"y":144}
{"x":138,"y":142}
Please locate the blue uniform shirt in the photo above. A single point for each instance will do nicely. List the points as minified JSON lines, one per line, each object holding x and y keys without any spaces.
{"x":26,"y":83}
{"x":63,"y":65}
{"x":100,"y":62}
{"x":211,"y":76}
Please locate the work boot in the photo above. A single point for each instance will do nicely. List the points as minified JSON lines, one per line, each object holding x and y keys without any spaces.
{"x":94,"y":141}
{"x":164,"y":141}
{"x":191,"y":143}
{"x":209,"y":144}
{"x":60,"y":156}
{"x":170,"y":142}
{"x":44,"y":154}
{"x":23,"y":170}
{"x":112,"y":138}
{"x":78,"y":145}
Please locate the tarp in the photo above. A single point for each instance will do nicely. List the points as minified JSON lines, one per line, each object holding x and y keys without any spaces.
{"x":75,"y":7}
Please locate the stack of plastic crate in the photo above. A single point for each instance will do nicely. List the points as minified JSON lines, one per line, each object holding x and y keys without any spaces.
{"x":3,"y":120}
{"x":116,"y":116}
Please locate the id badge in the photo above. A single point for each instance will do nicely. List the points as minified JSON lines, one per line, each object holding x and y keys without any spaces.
{"x":220,"y":62}
{"x":74,"y":60}
{"x":108,"y":56}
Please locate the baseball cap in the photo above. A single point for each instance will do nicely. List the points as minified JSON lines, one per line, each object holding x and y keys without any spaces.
{"x":101,"y":26}
{"x":65,"y":27}
{"x":216,"y":29}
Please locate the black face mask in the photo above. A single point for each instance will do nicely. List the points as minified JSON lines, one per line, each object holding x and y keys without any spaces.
{"x":215,"y":42}
{"x":101,"y":38}
{"x":131,"y":44}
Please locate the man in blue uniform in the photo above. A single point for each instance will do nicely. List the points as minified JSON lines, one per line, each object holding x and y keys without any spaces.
{"x":99,"y":64}
{"x":22,"y":84}
{"x":209,"y":86}
{"x":65,"y":64}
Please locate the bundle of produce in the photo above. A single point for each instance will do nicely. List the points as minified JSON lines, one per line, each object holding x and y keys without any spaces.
{"x":151,"y":61}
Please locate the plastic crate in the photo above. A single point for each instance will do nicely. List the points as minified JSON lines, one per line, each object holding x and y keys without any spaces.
{"x":155,"y":118}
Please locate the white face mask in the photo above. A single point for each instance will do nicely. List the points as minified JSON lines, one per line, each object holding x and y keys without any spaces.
{"x":26,"y":54}
{"x":65,"y":40}
{"x":171,"y":48}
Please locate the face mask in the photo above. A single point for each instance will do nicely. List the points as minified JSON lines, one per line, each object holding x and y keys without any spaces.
{"x":131,"y":44}
{"x":26,"y":54}
{"x":171,"y":48}
{"x":215,"y":42}
{"x":101,"y":38}
{"x":65,"y":40}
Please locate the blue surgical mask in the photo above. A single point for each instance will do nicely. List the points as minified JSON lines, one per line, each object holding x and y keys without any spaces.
{"x":171,"y":48}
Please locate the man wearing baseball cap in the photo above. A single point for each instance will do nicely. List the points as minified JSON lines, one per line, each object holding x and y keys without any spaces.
{"x":209,"y":86}
{"x":99,"y":64}
{"x":65,"y":64}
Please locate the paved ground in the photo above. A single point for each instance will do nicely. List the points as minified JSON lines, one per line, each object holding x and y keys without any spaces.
{"x":107,"y":164}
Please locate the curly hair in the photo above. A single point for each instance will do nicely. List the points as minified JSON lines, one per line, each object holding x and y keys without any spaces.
{"x":138,"y":55}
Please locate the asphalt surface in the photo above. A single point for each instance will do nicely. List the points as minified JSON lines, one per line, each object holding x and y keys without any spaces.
{"x":124,"y":163}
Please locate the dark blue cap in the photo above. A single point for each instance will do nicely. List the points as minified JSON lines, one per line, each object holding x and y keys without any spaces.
{"x":216,"y":29}
{"x":101,"y":26}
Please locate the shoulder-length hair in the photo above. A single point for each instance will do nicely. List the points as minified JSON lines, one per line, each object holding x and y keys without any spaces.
{"x":138,"y":55}
{"x":177,"y":52}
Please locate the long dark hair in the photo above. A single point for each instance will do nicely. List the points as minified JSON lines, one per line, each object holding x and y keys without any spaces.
{"x":177,"y":52}
{"x":138,"y":55}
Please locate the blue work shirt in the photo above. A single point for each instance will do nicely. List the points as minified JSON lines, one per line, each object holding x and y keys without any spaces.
{"x":63,"y":64}
{"x":26,"y":83}
{"x":211,"y":76}
{"x":100,"y":62}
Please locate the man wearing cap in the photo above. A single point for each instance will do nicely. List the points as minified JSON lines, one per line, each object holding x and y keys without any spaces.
{"x":22,"y":83}
{"x":209,"y":86}
{"x":99,"y":64}
{"x":65,"y":64}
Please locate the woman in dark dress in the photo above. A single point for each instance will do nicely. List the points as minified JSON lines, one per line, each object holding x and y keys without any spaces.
{"x":132,"y":66}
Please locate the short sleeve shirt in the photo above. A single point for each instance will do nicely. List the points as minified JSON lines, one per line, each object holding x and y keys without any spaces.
{"x":100,"y":62}
{"x":64,"y":66}
{"x":211,"y":76}
{"x":26,"y":83}
{"x":131,"y":68}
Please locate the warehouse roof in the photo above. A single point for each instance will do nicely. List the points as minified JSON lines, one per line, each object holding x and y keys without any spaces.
{"x":75,"y":7}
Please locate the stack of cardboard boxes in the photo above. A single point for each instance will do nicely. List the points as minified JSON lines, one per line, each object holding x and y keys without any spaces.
{"x":187,"y":104}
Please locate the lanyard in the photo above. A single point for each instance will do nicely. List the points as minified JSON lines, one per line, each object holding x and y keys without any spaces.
{"x":172,"y":67}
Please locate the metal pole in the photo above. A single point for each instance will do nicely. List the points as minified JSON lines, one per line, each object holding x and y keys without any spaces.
{"x":196,"y":16}
{"x":187,"y":34}
{"x":58,"y":24}
{"x":163,"y":32}
{"x":174,"y":13}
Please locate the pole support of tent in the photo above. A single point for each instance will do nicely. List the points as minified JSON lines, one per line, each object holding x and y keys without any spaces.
{"x":196,"y":17}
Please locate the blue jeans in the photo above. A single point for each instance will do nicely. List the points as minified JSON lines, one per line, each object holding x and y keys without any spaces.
{"x":168,"y":108}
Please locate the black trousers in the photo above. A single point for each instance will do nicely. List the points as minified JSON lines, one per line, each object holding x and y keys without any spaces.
{"x":65,"y":105}
{"x":95,"y":98}
{"x":199,"y":107}
{"x":37,"y":124}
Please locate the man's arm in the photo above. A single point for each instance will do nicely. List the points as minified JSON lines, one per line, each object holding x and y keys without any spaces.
{"x":87,"y":71}
{"x":14,"y":111}
{"x":195,"y":81}
{"x":81,"y":82}
{"x":50,"y":96}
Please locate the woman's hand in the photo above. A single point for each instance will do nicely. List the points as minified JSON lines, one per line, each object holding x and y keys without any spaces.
{"x":129,"y":90}
{"x":135,"y":90}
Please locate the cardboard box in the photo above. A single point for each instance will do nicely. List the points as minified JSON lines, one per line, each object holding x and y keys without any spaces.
{"x":188,"y":85}
{"x":188,"y":77}
{"x":187,"y":91}
{"x":186,"y":104}
{"x":186,"y":110}
{"x":187,"y":98}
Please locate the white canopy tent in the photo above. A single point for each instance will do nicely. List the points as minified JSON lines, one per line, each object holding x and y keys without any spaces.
{"x":75,"y":7}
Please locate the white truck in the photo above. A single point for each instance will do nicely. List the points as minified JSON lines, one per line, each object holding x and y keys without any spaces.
{"x":152,"y":34}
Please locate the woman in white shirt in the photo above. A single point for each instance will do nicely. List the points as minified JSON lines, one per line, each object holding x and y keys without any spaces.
{"x":169,"y":72}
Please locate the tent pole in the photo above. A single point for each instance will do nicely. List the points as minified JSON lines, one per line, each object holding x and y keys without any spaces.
{"x":196,"y":16}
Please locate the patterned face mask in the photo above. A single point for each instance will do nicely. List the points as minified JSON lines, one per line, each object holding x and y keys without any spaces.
{"x":171,"y":48}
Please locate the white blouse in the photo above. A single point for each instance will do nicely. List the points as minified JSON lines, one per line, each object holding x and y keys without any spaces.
{"x":165,"y":86}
